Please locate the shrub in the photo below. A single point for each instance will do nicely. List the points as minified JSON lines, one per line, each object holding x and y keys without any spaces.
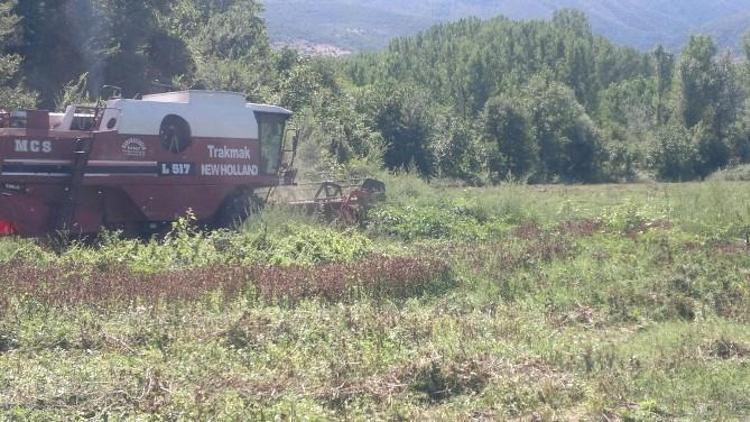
{"x":187,"y":247}
{"x":672,"y":156}
{"x":739,"y":173}
{"x":449,"y":221}
{"x":306,"y":245}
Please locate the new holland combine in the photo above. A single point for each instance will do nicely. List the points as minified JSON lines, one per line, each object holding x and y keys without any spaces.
{"x":138,"y":164}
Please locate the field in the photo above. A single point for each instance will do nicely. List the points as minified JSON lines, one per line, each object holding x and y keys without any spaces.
{"x":626,"y":302}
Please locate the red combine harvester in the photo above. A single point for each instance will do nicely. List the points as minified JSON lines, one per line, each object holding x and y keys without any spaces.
{"x":137,"y":164}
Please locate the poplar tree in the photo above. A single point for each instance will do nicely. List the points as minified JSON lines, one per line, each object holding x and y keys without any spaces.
{"x":12,"y":92}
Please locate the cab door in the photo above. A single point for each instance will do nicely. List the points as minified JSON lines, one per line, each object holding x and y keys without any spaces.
{"x":271,"y":132}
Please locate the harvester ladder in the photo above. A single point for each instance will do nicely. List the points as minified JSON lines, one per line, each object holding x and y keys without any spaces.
{"x":81,"y":153}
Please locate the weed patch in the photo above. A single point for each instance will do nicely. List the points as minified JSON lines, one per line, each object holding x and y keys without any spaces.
{"x":580,"y":227}
{"x":7,"y":342}
{"x":724,"y":348}
{"x":187,"y":247}
{"x":446,"y":221}
{"x":506,"y":257}
{"x":397,"y":277}
{"x":441,"y":381}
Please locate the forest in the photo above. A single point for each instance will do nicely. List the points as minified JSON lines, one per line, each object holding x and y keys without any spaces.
{"x":480,"y":102}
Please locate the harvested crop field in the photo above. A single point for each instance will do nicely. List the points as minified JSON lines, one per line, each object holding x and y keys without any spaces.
{"x":533,"y":303}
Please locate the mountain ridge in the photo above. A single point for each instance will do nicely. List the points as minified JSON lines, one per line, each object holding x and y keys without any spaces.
{"x":371,"y":24}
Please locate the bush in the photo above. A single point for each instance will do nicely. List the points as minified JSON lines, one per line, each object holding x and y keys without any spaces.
{"x":445,"y":221}
{"x":673,"y":157}
{"x":188,"y":247}
{"x":739,"y":173}
{"x":299,"y":245}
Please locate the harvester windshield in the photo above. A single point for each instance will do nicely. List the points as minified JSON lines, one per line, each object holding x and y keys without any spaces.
{"x":271,"y":127}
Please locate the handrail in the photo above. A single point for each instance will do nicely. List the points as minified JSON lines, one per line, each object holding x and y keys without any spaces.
{"x":96,"y":113}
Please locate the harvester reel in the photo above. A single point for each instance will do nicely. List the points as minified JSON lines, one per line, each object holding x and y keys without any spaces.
{"x":327,"y":199}
{"x":355,"y":206}
{"x":329,"y":191}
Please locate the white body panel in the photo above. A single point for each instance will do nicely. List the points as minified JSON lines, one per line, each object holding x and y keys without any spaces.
{"x":209,"y":114}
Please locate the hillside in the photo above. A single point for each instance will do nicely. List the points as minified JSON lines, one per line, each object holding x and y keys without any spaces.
{"x":371,"y":24}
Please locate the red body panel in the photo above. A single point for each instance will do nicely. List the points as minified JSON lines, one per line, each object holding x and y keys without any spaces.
{"x":7,"y":228}
{"x":128,"y":181}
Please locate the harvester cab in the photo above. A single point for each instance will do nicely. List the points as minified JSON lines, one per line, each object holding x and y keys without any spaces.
{"x":135,"y":164}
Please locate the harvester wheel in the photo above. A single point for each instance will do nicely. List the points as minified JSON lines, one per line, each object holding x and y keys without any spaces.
{"x":238,"y":208}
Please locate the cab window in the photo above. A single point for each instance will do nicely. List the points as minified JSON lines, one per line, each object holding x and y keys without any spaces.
{"x":271,"y":128}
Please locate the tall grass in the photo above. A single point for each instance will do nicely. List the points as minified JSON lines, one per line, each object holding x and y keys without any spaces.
{"x":451,"y":303}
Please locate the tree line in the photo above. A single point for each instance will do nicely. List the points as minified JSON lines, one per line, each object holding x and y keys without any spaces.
{"x":479,"y":101}
{"x":552,"y":102}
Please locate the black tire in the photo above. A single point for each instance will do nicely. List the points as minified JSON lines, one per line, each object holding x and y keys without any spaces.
{"x":236,"y":209}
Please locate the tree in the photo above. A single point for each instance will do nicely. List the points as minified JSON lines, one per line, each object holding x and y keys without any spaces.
{"x":626,"y":116}
{"x":228,"y":43}
{"x":673,"y":156}
{"x":137,"y":51}
{"x":568,"y":141}
{"x":12,"y":93}
{"x":505,"y":128}
{"x":343,"y":131}
{"x":457,"y":154}
{"x":695,"y":83}
{"x":117,"y":42}
{"x":544,"y":101}
{"x":712,"y":151}
{"x":402,"y":115}
{"x":664,"y":70}
{"x":577,"y":68}
{"x":725,"y":114}
{"x":629,"y":105}
{"x":709,"y":100}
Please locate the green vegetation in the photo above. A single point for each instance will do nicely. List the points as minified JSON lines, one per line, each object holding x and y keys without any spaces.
{"x":626,"y":301}
{"x":491,"y":300}
{"x":549,"y":102}
{"x":11,"y":95}
{"x":483,"y":102}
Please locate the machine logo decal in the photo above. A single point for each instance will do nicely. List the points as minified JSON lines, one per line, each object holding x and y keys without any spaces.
{"x":134,"y":147}
{"x":28,"y":145}
{"x":225,"y":152}
{"x":229,"y":170}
